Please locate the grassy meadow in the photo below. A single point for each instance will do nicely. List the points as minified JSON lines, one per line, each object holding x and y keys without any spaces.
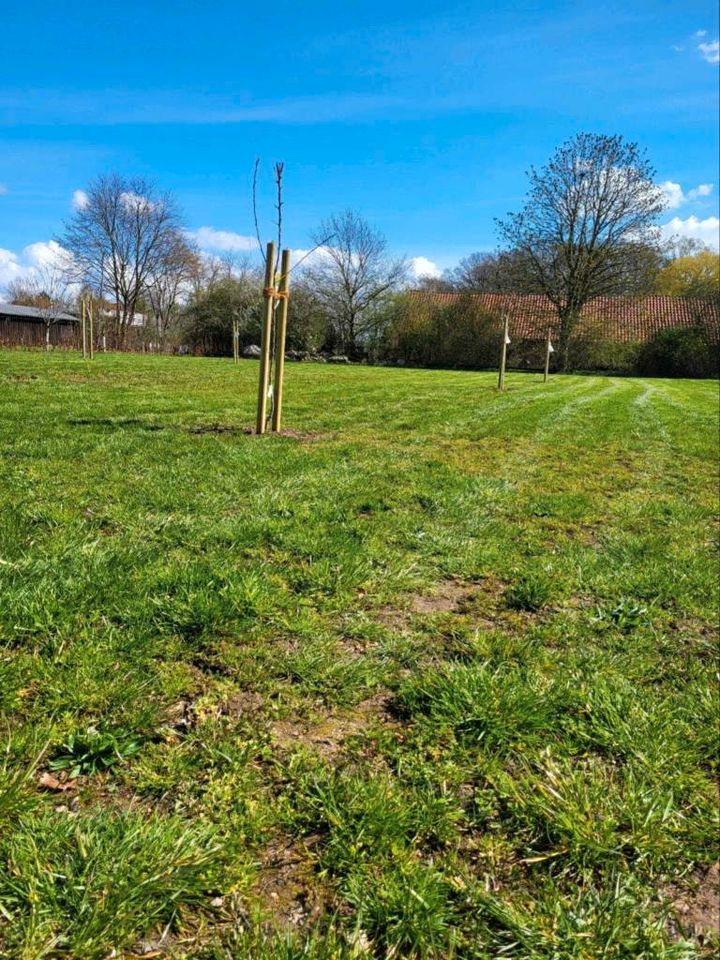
{"x":433,"y":675}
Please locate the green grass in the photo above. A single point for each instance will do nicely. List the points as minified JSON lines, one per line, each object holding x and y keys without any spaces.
{"x":431,"y":677}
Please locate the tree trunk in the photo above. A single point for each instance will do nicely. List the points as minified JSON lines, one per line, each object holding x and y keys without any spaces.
{"x":567,"y":319}
{"x":47,"y":336}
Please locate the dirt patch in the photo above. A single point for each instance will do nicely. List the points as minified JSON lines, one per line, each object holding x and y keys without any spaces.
{"x":696,"y":911}
{"x":244,"y":704}
{"x":478,"y":601}
{"x":305,"y":435}
{"x":448,"y":597}
{"x":118,"y":422}
{"x":218,"y":428}
{"x":329,"y":735}
{"x":185,"y":713}
{"x":290,"y":892}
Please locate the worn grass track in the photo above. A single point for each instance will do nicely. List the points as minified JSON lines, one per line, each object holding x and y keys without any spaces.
{"x":434,"y":675}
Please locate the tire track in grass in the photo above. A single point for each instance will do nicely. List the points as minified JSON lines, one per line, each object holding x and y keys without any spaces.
{"x":559,"y":418}
{"x":529,"y":411}
{"x":681,"y":414}
{"x":580,"y":451}
{"x":490,"y":507}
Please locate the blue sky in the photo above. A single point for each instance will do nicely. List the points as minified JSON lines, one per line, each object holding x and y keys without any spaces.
{"x":422,"y":116}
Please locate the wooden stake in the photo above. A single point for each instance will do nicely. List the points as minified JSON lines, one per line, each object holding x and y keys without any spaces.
{"x":280,"y":340}
{"x":503,"y":355}
{"x":268,"y":292}
{"x":547,"y":357}
{"x":83,"y":309}
{"x":90,"y":323}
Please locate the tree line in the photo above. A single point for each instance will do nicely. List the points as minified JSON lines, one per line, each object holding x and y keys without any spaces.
{"x":587,"y":229}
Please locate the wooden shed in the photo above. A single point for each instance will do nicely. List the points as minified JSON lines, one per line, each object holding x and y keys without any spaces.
{"x":27,"y":327}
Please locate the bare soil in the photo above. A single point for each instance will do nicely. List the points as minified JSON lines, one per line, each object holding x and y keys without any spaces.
{"x":696,"y":910}
{"x":328,"y":736}
{"x":288,"y":887}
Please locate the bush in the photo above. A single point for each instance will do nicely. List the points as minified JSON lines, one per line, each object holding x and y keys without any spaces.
{"x":679,"y":352}
{"x":603,"y":354}
{"x":460,"y":334}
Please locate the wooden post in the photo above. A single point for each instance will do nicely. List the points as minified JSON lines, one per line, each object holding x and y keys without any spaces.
{"x":83,"y":316}
{"x":91,"y":330}
{"x":268,"y":294}
{"x":548,"y":347}
{"x":503,"y":355}
{"x":280,"y":340}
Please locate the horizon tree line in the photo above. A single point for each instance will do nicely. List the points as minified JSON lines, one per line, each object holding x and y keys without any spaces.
{"x":587,"y":229}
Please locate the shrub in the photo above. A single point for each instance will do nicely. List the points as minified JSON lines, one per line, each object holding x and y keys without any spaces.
{"x":602,"y":353}
{"x":679,"y":352}
{"x":461,"y":334}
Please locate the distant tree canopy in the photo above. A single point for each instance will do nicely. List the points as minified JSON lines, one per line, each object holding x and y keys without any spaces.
{"x":490,"y":273}
{"x":26,"y":294}
{"x":352,"y":277}
{"x":586,"y":229}
{"x":124,"y":233}
{"x":428,"y":332}
{"x":208,"y":317}
{"x":168,"y":284}
{"x":697,"y":275}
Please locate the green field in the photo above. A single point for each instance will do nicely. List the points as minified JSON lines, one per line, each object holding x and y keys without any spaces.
{"x":433,"y":675}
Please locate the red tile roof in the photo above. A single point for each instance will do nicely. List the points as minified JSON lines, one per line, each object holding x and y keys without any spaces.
{"x":624,"y":319}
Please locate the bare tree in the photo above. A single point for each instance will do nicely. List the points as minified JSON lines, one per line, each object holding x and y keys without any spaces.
{"x":120,"y":236}
{"x":170,"y":283}
{"x":489,"y":273}
{"x":352,"y":276}
{"x":589,"y":215}
{"x":676,"y":247}
{"x":48,"y":290}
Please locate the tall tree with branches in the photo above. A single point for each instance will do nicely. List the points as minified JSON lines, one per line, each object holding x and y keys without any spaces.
{"x":587,"y":227}
{"x":170,"y":283}
{"x":120,"y":235}
{"x":352,"y":276}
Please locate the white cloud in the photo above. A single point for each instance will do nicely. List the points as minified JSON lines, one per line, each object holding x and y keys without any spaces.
{"x":207,"y":238}
{"x":3,"y":188}
{"x":707,"y":230}
{"x":309,"y":257}
{"x":10,"y":269}
{"x":422,"y":267}
{"x":675,"y":196}
{"x":42,"y":254}
{"x":34,"y":259}
{"x":700,"y":33}
{"x":710,"y":52}
{"x":79,"y":200}
{"x":701,"y":190}
{"x":136,"y":202}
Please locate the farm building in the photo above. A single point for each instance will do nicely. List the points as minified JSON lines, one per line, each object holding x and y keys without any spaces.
{"x":461,"y":329}
{"x":618,"y":319}
{"x":26,"y":327}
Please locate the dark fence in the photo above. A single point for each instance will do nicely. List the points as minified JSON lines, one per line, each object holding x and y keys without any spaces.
{"x":68,"y":336}
{"x":32,"y":333}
